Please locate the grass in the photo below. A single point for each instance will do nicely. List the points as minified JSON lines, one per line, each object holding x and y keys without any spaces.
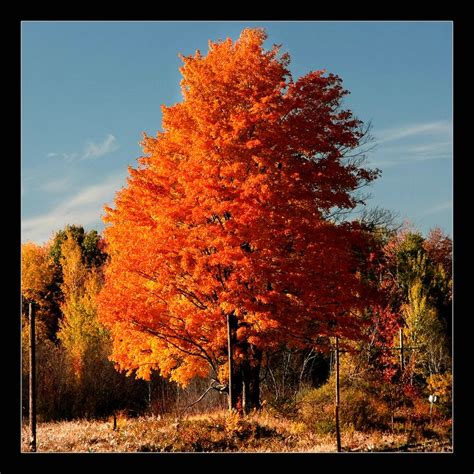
{"x":221,"y":432}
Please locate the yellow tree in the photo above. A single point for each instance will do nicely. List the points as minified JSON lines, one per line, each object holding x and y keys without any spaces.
{"x":424,"y":333}
{"x":37,"y":275}
{"x":36,"y":271}
{"x":80,"y":332}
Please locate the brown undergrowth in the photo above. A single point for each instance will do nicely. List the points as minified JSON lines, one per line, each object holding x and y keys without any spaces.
{"x":221,"y":432}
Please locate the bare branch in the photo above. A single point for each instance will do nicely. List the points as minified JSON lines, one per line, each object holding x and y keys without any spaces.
{"x":197,"y":401}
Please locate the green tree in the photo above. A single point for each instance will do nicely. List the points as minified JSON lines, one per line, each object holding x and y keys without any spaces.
{"x":90,"y":243}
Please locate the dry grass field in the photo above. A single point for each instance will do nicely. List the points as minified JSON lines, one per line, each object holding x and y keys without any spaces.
{"x":219,"y":432}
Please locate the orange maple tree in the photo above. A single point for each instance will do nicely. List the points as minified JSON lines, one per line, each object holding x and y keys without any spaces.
{"x":226,"y":217}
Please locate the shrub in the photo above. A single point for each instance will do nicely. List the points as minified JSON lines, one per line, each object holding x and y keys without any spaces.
{"x":441,"y":386}
{"x":286,"y":407}
{"x":360,"y":407}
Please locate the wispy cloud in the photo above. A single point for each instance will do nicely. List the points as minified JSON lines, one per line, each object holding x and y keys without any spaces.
{"x":64,"y":156}
{"x":56,"y":186}
{"x":430,"y":148}
{"x":417,"y":143}
{"x":430,"y":128}
{"x":444,"y":206}
{"x":84,"y":208}
{"x":91,"y":150}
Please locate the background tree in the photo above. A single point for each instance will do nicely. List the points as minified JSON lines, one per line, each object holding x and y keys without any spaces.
{"x":439,"y":250}
{"x":74,"y":376}
{"x":90,"y":243}
{"x":37,"y":281}
{"x":226,"y":217}
{"x":414,"y":291}
{"x":79,"y":331}
{"x":417,"y":303}
{"x":92,"y":254}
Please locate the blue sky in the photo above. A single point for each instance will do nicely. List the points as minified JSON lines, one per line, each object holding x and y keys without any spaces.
{"x":89,"y":90}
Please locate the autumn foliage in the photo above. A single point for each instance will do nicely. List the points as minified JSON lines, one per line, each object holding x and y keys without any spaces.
{"x":226,"y":214}
{"x":37,"y":278}
{"x":79,"y":330}
{"x":229,"y":262}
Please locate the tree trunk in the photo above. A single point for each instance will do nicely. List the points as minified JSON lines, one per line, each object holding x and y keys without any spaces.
{"x":246,"y":386}
{"x":244,"y":377}
{"x":237,"y":382}
{"x":252,"y":379}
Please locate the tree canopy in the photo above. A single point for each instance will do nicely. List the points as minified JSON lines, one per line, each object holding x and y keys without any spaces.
{"x":226,"y":214}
